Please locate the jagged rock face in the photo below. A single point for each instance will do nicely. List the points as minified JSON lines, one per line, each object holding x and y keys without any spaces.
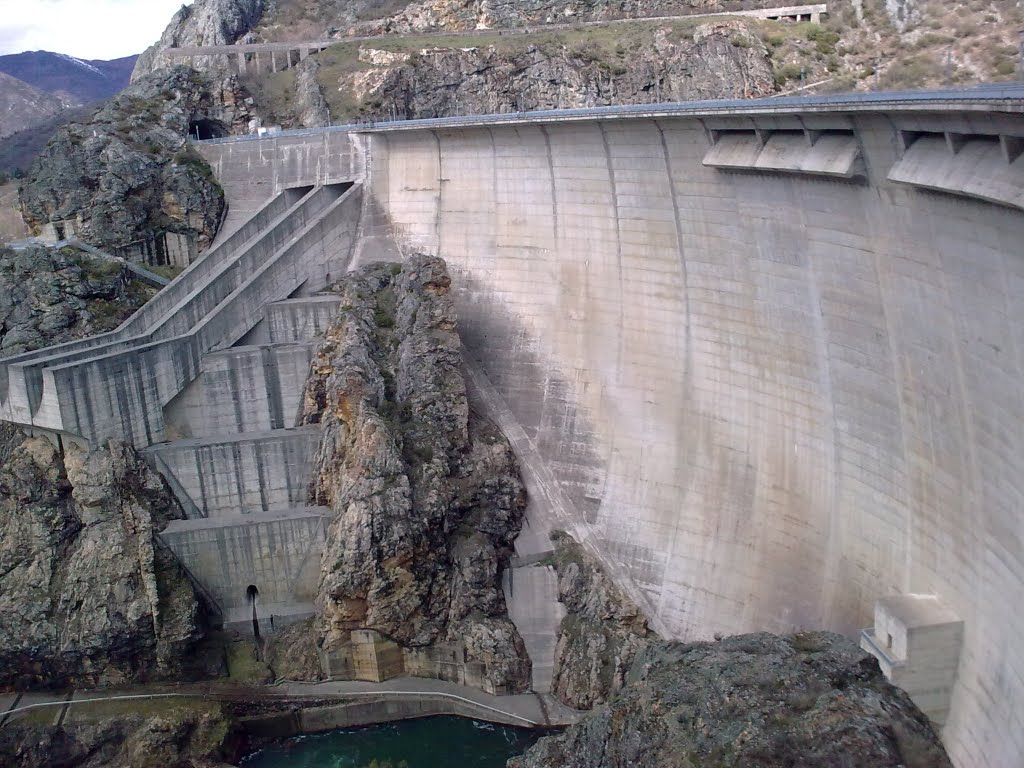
{"x":813,"y":700}
{"x":129,"y":173}
{"x":311,"y":106}
{"x":426,"y":493}
{"x":192,"y":735}
{"x":205,"y":22}
{"x":437,"y":83}
{"x":601,"y":633}
{"x":86,"y":595}
{"x":291,"y":653}
{"x":49,"y":296}
{"x":370,"y":17}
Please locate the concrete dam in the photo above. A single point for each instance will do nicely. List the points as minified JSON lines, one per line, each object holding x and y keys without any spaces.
{"x":763,"y":358}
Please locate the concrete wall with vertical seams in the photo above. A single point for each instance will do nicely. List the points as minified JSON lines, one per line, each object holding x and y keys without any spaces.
{"x":774,"y":398}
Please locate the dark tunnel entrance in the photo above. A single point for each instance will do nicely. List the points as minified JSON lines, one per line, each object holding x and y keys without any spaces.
{"x":204,"y":128}
{"x":251,"y":593}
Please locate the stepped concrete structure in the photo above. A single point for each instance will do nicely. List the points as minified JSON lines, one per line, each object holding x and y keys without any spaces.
{"x":762,"y":358}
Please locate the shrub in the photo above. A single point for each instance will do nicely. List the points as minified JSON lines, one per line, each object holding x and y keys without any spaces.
{"x":823,"y":38}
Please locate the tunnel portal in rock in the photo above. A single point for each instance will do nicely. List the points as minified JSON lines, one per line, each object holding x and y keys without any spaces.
{"x":205,"y":128}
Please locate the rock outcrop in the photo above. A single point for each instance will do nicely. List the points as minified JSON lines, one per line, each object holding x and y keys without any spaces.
{"x":291,"y":653}
{"x":48,"y":296}
{"x":426,"y":492}
{"x":602,"y":632}
{"x":204,"y":22}
{"x":813,"y":700}
{"x":192,"y":734}
{"x":128,"y":174}
{"x":371,"y":17}
{"x":87,"y":597}
{"x":723,"y":59}
{"x":311,"y":106}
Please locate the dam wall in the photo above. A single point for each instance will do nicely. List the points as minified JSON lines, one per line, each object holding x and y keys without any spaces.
{"x":776,"y":385}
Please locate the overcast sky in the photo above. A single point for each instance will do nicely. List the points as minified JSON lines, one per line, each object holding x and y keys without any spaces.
{"x":87,"y":29}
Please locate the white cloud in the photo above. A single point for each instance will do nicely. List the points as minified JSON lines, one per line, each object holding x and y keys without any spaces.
{"x":88,"y":29}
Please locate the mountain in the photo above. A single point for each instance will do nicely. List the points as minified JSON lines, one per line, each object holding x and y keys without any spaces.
{"x":76,"y":80}
{"x":22,"y":106}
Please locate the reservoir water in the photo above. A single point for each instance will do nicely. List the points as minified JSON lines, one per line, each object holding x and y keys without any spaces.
{"x":432,"y":742}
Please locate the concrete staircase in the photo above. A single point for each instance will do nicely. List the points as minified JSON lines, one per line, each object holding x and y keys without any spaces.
{"x":243,"y":466}
{"x":119,"y":384}
{"x":206,"y":380}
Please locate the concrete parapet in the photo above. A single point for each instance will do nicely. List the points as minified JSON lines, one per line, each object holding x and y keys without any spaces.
{"x":250,"y":472}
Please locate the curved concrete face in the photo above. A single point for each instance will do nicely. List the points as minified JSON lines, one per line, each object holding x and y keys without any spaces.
{"x":775,"y":398}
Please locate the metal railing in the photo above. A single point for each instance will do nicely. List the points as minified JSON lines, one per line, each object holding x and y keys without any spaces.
{"x":1008,"y":96}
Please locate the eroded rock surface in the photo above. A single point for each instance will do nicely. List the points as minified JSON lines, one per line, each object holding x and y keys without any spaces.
{"x":128,"y":174}
{"x":813,"y":700}
{"x":291,"y":652}
{"x":204,"y":22}
{"x":601,"y":633}
{"x":719,"y":60}
{"x":157,"y":732}
{"x":49,"y":296}
{"x":426,"y":492}
{"x":87,"y":597}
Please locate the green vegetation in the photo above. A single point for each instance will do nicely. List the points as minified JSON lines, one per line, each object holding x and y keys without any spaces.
{"x":187,"y":157}
{"x":607,"y":47}
{"x":384,"y":308}
{"x":168,"y":271}
{"x":244,"y":665}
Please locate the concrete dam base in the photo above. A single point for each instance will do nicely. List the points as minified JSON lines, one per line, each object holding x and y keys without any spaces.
{"x":762,"y":358}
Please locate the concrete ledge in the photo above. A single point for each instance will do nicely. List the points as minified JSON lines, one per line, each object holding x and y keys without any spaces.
{"x":277,"y":552}
{"x":254,"y":471}
{"x":296,"y":320}
{"x":973,"y":166}
{"x":835,"y":154}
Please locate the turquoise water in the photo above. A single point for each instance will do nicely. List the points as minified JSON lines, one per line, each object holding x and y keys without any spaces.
{"x":432,"y":742}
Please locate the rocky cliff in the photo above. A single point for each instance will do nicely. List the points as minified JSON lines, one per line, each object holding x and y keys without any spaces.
{"x":602,"y":632}
{"x":813,"y":700}
{"x":423,"y":77}
{"x":87,"y":597}
{"x":48,"y":296}
{"x":426,"y":492}
{"x":371,"y":17}
{"x":204,"y":22}
{"x":178,"y":733}
{"x":718,"y":60}
{"x":128,"y":174}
